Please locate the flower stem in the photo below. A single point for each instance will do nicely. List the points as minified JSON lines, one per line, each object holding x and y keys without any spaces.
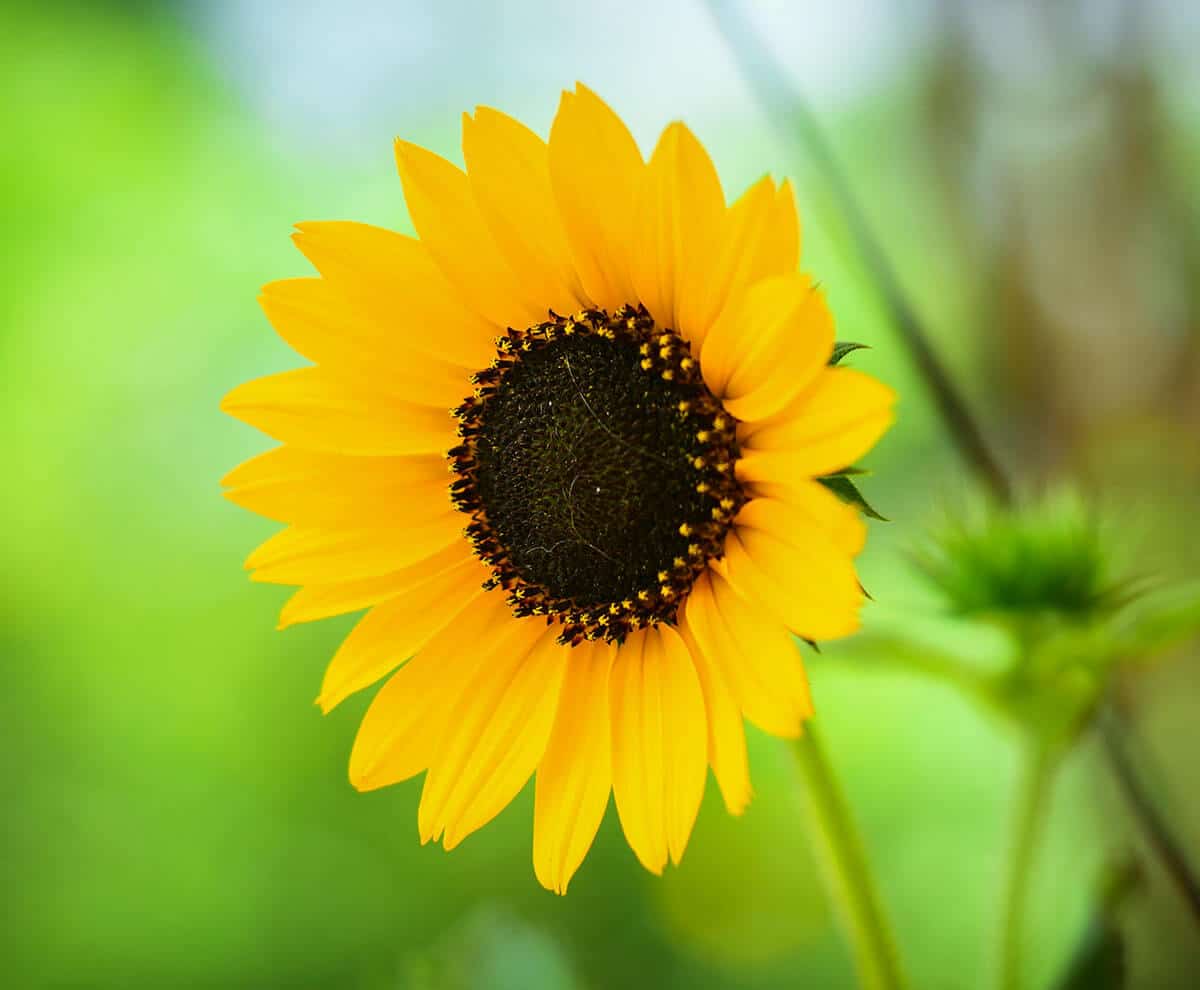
{"x":847,"y":874}
{"x":1037,"y":775}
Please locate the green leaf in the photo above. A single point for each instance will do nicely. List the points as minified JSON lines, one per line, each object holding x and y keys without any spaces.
{"x":844,"y":347}
{"x":848,"y":492}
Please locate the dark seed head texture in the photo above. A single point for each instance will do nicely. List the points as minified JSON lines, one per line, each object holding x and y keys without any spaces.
{"x":598,"y":471}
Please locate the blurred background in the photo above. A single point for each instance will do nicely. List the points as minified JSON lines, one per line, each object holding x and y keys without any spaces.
{"x":177,"y":811}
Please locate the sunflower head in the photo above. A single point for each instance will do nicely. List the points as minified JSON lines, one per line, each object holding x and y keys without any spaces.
{"x":564,"y":446}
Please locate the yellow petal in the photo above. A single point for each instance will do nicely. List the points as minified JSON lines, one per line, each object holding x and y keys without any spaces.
{"x":595,"y":171}
{"x":451,"y":227}
{"x":312,"y":409}
{"x":679,"y":213}
{"x":319,"y":324}
{"x":762,"y":671}
{"x":509,"y":171}
{"x":319,"y":601}
{"x":729,"y":264}
{"x":767,"y":347}
{"x":515,"y":740}
{"x":401,"y":734}
{"x":311,"y":488}
{"x":392,"y":284}
{"x":785,"y":359}
{"x":575,"y":775}
{"x":823,"y":430}
{"x":726,"y":734}
{"x":780,"y":557}
{"x":323,"y":556}
{"x":842,"y":521}
{"x":659,"y":738}
{"x":508,"y":709}
{"x":392,"y":632}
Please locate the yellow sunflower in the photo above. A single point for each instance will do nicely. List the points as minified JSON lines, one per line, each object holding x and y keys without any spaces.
{"x":563,"y":446}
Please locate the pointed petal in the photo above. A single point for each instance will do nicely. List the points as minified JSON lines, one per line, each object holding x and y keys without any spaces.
{"x":842,"y":521}
{"x":769,"y":687}
{"x":659,"y":745}
{"x":679,"y":214}
{"x":507,"y":691}
{"x":513,"y":743}
{"x":508,"y":167}
{"x":319,"y":601}
{"x":726,"y":733}
{"x":781,"y":557}
{"x":453,"y":231}
{"x":314,"y":319}
{"x":595,"y":171}
{"x":311,"y":488}
{"x":785,"y":358}
{"x":393,"y":284}
{"x":392,"y":632}
{"x":401,"y":734}
{"x":322,"y":556}
{"x":768,"y":346}
{"x":825,"y":429}
{"x":575,"y":776}
{"x":312,"y":409}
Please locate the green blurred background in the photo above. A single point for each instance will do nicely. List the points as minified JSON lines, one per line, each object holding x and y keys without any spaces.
{"x":177,"y":812}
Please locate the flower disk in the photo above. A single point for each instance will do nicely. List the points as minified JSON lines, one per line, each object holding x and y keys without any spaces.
{"x":598,"y":470}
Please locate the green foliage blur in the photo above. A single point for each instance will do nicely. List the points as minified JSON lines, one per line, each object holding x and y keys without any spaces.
{"x":177,"y":811}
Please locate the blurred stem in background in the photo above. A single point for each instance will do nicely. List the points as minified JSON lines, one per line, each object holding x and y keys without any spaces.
{"x":1033,"y":800}
{"x":796,"y":123}
{"x":786,"y":107}
{"x":844,"y":863}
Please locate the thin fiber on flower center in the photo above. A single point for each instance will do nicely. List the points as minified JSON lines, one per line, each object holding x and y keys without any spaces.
{"x":598,"y":470}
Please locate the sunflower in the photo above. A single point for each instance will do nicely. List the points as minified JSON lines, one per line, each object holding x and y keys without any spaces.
{"x":564,"y":446}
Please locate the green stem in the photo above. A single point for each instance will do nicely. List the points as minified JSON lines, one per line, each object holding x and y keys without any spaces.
{"x":1032,"y":804}
{"x":847,"y":874}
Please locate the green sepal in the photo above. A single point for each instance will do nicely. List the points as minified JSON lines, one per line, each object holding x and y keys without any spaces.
{"x":848,"y":492}
{"x":844,"y":347}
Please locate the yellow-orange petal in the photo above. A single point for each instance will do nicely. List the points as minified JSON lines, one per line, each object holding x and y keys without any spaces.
{"x":311,"y":488}
{"x":767,"y":347}
{"x":783,"y":360}
{"x":679,"y":213}
{"x":595,"y":171}
{"x":574,"y":777}
{"x":778,"y":556}
{"x":393,"y":284}
{"x":509,"y":171}
{"x":826,"y":428}
{"x":452,"y":229}
{"x":842,"y":521}
{"x":392,"y":632}
{"x":726,"y":733}
{"x":401,"y":734}
{"x":313,"y":409}
{"x":315,"y":556}
{"x":659,"y":739}
{"x":497,"y":732}
{"x":319,"y":601}
{"x":513,"y":752}
{"x":762,"y":671}
{"x":314,"y":319}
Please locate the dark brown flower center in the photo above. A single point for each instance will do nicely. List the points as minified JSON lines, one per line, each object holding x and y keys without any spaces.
{"x":598,"y":472}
